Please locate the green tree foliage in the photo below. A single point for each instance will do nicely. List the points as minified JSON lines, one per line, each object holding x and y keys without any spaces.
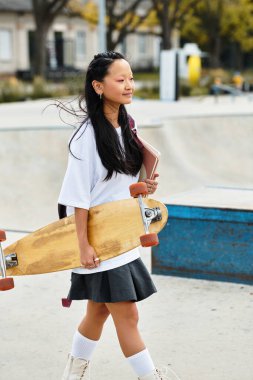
{"x":237,"y":23}
{"x":122,"y":18}
{"x":204,"y":26}
{"x":215,"y":23}
{"x":171,"y":15}
{"x":88,"y":10}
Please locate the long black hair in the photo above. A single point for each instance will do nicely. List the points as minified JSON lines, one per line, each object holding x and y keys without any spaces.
{"x":114,"y":157}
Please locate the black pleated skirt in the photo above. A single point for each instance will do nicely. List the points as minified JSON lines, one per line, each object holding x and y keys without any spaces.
{"x":129,"y":282}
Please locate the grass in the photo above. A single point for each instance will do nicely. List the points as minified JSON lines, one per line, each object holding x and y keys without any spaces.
{"x":154,"y":76}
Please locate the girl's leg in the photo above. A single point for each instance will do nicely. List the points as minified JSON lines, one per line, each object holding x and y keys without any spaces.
{"x":125,"y":317}
{"x":85,"y":341}
{"x":93,"y":322}
{"x":89,"y":330}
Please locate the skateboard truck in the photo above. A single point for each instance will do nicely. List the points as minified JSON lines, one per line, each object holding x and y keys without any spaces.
{"x":11,"y":260}
{"x":152,"y":214}
{"x":6,"y":283}
{"x":149,"y":215}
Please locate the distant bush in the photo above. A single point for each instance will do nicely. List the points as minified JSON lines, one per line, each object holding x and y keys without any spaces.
{"x":199,"y":91}
{"x":40,"y":89}
{"x":75,"y":84}
{"x":184,"y":88}
{"x":11,"y":90}
{"x":147,"y":93}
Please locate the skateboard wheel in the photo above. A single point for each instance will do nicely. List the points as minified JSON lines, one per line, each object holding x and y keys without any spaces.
{"x":2,"y":236}
{"x":6,"y":283}
{"x":139,"y":188}
{"x":149,"y":240}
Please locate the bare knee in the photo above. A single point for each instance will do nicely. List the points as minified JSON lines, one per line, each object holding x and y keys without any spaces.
{"x":126,"y":313}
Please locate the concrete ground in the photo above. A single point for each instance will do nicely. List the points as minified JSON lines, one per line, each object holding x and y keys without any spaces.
{"x":196,"y":329}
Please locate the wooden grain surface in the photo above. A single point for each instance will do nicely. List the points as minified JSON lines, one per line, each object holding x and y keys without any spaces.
{"x":113,"y":228}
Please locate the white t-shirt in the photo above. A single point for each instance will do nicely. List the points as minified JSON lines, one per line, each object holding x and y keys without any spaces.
{"x":84,"y":187}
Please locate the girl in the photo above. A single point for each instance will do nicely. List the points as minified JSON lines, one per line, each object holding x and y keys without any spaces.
{"x":104,"y":160}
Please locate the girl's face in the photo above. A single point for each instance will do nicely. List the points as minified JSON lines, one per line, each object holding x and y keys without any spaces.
{"x":118,"y":85}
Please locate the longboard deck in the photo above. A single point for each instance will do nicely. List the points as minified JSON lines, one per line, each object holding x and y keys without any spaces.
{"x":113,"y":228}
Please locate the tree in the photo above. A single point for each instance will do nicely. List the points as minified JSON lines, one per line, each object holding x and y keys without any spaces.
{"x":45,"y":12}
{"x":237,"y":23}
{"x":204,"y":27}
{"x":122,"y":18}
{"x":88,"y":10}
{"x":171,"y":15}
{"x":215,"y":24}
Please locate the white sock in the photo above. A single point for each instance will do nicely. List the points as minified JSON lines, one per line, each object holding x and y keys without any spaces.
{"x":141,"y":363}
{"x":82,"y":347}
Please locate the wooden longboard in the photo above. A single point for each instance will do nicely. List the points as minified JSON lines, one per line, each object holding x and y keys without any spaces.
{"x":113,"y":228}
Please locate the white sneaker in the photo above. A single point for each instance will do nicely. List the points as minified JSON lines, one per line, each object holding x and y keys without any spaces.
{"x":76,"y":369}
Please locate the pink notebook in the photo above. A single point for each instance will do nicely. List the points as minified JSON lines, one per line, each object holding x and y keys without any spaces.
{"x":151,"y":158}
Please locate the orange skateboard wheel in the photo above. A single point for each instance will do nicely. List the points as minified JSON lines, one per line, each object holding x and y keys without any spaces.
{"x":149,"y":240}
{"x":139,"y":188}
{"x":6,"y":283}
{"x":2,"y":236}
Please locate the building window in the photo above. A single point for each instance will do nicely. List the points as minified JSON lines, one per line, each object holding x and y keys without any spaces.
{"x":142,"y":42}
{"x":5,"y":45}
{"x":80,"y":45}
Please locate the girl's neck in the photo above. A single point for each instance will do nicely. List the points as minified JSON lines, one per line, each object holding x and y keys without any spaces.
{"x":111,"y":112}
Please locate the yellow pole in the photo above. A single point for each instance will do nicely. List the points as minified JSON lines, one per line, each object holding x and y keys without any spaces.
{"x":194,"y":70}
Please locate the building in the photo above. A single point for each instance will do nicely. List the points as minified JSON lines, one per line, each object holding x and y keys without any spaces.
{"x":72,"y":42}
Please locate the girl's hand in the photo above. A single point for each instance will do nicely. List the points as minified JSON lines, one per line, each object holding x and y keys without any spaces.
{"x":152,"y":184}
{"x":88,"y":257}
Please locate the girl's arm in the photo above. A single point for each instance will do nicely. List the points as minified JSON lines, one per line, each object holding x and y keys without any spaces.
{"x":87,"y":252}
